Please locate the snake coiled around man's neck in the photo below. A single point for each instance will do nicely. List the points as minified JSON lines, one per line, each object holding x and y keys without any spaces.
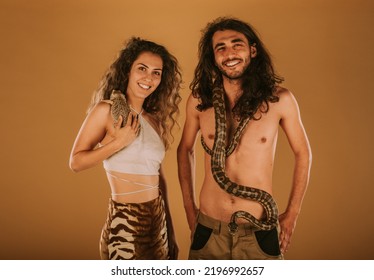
{"x":218,"y":158}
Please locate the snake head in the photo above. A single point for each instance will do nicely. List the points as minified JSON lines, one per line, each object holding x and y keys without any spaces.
{"x":233,"y":228}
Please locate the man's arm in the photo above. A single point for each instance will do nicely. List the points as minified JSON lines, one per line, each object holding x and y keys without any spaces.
{"x":186,"y":161}
{"x":298,"y":140}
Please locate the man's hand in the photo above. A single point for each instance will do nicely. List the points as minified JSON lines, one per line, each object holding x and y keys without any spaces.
{"x":287,"y":226}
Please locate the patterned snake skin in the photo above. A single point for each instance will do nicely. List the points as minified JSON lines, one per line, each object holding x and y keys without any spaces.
{"x":120,"y":106}
{"x":218,"y":158}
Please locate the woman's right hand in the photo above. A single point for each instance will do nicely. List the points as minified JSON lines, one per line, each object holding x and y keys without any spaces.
{"x":124,"y":136}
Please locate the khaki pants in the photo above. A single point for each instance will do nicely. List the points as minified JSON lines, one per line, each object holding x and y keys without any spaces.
{"x":212,"y":240}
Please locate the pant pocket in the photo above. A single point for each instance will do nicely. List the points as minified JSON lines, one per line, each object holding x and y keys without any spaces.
{"x":201,"y":237}
{"x":268,"y":241}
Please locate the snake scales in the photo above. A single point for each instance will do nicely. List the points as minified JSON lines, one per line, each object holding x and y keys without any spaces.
{"x":218,"y":158}
{"x":120,"y":107}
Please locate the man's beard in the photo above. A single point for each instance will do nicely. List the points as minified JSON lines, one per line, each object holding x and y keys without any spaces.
{"x":235,"y":75}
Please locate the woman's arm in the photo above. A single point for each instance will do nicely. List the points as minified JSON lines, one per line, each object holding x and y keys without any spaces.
{"x":98,"y":127}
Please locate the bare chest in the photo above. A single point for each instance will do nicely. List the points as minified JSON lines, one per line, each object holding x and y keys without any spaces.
{"x":260,"y":133}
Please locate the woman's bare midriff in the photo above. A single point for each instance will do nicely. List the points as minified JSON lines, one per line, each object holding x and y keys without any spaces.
{"x":119,"y":186}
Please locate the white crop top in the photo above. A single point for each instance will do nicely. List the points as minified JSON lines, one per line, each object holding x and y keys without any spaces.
{"x":143,"y":156}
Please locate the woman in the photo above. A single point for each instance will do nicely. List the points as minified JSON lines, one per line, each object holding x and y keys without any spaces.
{"x":132,"y":147}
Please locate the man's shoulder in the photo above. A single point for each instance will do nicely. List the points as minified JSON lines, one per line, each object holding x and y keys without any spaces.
{"x":287,"y":103}
{"x":285,"y":96}
{"x":194,"y":103}
{"x":282,"y":91}
{"x":193,"y":99}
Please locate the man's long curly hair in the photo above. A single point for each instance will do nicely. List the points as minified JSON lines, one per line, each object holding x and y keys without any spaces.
{"x":162,"y":104}
{"x":259,"y":80}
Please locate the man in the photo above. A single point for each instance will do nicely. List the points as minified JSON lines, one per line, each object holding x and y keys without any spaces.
{"x":238,"y":105}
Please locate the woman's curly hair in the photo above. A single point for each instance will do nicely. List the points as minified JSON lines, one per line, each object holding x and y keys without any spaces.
{"x":259,"y":81}
{"x":162,"y":104}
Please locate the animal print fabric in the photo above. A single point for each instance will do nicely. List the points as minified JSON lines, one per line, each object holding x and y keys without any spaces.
{"x":135,"y":231}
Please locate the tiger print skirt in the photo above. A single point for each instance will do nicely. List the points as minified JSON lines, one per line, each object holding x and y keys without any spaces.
{"x":135,"y":231}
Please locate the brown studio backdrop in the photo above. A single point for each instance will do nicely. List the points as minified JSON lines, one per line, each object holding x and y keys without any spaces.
{"x":53,"y":54}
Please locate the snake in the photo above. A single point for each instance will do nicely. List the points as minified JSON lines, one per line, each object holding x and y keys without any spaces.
{"x":119,"y":107}
{"x":218,"y":155}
